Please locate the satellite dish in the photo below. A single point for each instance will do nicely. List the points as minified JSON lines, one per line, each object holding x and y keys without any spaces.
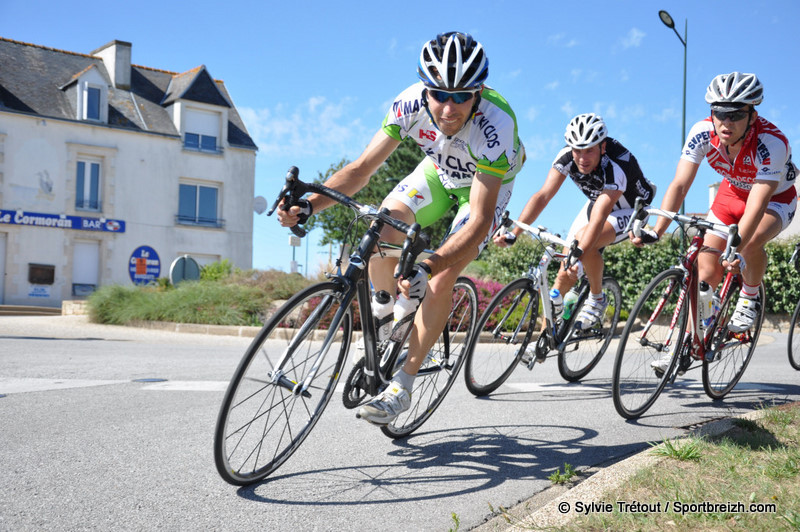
{"x":259,"y":204}
{"x":183,"y":269}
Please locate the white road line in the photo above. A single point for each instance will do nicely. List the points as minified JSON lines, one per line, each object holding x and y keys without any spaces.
{"x":20,"y":385}
{"x":188,"y":386}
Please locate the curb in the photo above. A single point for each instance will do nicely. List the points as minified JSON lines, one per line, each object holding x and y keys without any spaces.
{"x":546,"y":514}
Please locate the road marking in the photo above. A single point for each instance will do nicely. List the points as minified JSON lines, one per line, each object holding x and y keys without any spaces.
{"x":188,"y":386}
{"x":22,"y":385}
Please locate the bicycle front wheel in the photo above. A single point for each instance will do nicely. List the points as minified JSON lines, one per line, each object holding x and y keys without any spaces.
{"x":583,"y":349}
{"x":270,"y":407}
{"x":794,"y":339}
{"x":651,"y":337}
{"x":444,"y":361}
{"x":730,"y":352}
{"x":503,"y":332}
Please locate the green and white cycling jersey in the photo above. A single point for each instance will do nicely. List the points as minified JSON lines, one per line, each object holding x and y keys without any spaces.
{"x":488,"y":143}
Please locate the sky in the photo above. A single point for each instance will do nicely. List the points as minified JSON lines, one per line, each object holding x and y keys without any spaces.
{"x":313,"y":80}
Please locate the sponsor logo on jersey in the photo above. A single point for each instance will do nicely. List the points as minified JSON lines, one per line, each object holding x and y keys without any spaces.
{"x":416,"y":197}
{"x":702,"y":137}
{"x":400,"y":107}
{"x":747,"y":160}
{"x":427,"y":134}
{"x":489,"y":131}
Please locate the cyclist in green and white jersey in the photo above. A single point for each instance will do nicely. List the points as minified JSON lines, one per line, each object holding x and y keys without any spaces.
{"x":469,"y":134}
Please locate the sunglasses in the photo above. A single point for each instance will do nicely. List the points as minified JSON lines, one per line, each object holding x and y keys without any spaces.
{"x":733,"y":116}
{"x":457,"y":97}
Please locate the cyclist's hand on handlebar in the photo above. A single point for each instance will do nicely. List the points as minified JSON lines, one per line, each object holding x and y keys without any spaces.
{"x":647,"y":236}
{"x":415,"y":286}
{"x":505,"y":240}
{"x":735,"y":266}
{"x":296,"y":214}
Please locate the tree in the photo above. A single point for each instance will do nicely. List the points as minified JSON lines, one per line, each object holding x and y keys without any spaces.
{"x":336,"y":220}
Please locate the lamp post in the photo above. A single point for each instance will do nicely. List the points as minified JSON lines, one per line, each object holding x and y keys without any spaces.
{"x":668,"y":22}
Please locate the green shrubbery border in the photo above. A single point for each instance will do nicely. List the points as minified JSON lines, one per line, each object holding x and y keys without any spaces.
{"x":633,"y":268}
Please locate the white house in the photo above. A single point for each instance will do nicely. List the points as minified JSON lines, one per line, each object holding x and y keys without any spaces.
{"x":110,"y":171}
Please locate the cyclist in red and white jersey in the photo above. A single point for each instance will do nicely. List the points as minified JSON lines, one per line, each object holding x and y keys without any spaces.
{"x":469,"y":134}
{"x":757,"y":190}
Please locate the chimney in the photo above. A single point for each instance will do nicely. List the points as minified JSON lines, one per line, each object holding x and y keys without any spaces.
{"x":116,"y":55}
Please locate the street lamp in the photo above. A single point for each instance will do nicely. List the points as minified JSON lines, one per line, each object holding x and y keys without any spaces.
{"x":668,"y":22}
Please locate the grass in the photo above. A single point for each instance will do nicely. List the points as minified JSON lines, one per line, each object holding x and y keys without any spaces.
{"x":752,"y":470}
{"x":241,"y":298}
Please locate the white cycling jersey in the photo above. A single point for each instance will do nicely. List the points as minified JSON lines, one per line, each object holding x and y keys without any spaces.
{"x":488,"y":143}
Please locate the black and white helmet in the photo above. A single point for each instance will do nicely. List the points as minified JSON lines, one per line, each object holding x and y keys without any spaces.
{"x":585,"y":130}
{"x":732,"y":91}
{"x":453,"y":61}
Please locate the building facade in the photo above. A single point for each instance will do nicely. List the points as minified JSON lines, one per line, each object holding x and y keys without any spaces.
{"x":110,"y":171}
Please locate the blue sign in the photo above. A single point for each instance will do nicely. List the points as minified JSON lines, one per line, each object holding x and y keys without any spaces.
{"x":144,"y":266}
{"x":61,"y":221}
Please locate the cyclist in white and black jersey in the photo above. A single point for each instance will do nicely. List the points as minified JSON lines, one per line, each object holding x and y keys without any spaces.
{"x":469,"y":134}
{"x":609,"y":176}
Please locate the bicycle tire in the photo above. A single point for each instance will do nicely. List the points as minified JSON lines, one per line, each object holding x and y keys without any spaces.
{"x":261,"y":423}
{"x":635,"y":384}
{"x":503,"y":332}
{"x":732,"y":352}
{"x":583,"y":349}
{"x":440,"y":369}
{"x":793,"y":343}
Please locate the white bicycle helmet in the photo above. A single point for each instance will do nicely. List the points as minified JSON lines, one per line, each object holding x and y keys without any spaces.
{"x":453,"y":61}
{"x":585,"y":130}
{"x":728,"y":92}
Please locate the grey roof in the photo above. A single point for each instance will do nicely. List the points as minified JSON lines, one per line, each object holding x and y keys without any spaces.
{"x":40,"y":81}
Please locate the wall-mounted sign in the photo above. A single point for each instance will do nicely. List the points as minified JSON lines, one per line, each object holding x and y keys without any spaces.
{"x":144,"y":266}
{"x":61,"y":221}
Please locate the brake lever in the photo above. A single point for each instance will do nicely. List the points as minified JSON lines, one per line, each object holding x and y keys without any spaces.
{"x":290,"y":195}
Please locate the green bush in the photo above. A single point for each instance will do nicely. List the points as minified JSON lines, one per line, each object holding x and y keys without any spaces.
{"x":634,"y":267}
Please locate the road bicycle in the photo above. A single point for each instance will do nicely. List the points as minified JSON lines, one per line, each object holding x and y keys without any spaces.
{"x":290,"y":371}
{"x":793,"y":345}
{"x":510,"y":322}
{"x":659,"y":325}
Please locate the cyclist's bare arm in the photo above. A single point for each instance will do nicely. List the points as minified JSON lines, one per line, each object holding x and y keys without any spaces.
{"x":462,"y":246}
{"x":350,"y":179}
{"x":676,"y":193}
{"x":536,"y":203}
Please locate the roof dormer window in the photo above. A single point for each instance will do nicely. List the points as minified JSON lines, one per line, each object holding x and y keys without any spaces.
{"x":92,"y":103}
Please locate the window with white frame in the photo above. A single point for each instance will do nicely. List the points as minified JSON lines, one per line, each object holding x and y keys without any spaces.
{"x":92,"y":106}
{"x":202,"y":130}
{"x":199,"y":205}
{"x":87,"y":185}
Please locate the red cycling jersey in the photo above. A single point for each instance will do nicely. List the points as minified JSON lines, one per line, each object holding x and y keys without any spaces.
{"x":765,"y":155}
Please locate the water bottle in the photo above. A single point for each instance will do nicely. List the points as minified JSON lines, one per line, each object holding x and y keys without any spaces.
{"x":569,"y":303}
{"x":705,"y":304}
{"x":382,"y":309}
{"x":558,"y":302}
{"x":403,"y":308}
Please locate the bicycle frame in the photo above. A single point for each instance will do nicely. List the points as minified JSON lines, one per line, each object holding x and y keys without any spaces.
{"x":700,"y":346}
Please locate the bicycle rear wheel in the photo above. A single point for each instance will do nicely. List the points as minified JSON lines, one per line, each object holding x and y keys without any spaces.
{"x":794,"y":339}
{"x":649,"y":335}
{"x":444,"y":361}
{"x":503,"y":331}
{"x":263,"y":418}
{"x":583,"y":349}
{"x":731,"y":351}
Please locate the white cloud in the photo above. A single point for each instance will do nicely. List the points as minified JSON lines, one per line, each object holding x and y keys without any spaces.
{"x":317,"y":127}
{"x":532,"y":114}
{"x":568,"y":109}
{"x":633,"y":39}
{"x":553,"y":85}
{"x":560,"y":40}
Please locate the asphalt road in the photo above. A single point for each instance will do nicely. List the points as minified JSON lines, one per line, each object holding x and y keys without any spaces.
{"x":87,"y":444}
